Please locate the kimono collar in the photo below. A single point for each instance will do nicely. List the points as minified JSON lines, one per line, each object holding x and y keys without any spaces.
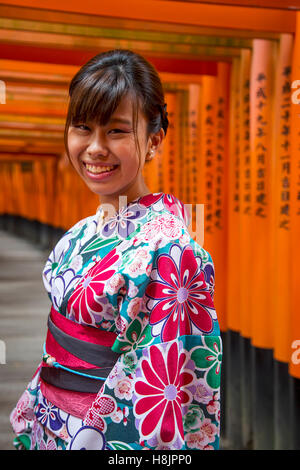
{"x":162,"y":201}
{"x":158,"y":202}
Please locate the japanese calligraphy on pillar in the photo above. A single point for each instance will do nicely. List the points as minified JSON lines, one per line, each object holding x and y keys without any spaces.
{"x":285,"y":155}
{"x":172,"y":171}
{"x":194,"y":134}
{"x":171,"y":152}
{"x":181,"y":153}
{"x":194,"y":150}
{"x":236,"y":155}
{"x":245,"y":146}
{"x":220,"y":156}
{"x":262,"y":142}
{"x":208,"y":106}
{"x":209,"y":136}
{"x":186,"y":150}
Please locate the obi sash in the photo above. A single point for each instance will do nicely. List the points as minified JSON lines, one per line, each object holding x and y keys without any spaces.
{"x":82,"y":349}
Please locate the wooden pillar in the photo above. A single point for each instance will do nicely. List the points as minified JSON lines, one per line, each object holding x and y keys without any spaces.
{"x":294,"y":359}
{"x":243,"y":325}
{"x":281,"y":242}
{"x":261,"y":111}
{"x":232,"y":364}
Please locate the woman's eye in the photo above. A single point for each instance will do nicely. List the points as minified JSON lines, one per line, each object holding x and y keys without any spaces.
{"x":81,"y":127}
{"x":116,"y":130}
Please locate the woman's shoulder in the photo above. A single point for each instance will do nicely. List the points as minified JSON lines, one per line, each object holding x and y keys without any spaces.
{"x":66,"y":243}
{"x":77,"y":226}
{"x":200,"y":251}
{"x":73,"y":232}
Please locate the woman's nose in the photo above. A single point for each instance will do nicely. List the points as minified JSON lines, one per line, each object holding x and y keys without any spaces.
{"x":96,"y":145}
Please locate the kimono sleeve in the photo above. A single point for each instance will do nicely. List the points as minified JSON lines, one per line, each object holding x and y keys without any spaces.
{"x":168,"y":372}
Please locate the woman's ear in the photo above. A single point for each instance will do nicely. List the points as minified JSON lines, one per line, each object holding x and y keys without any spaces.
{"x":155,"y":142}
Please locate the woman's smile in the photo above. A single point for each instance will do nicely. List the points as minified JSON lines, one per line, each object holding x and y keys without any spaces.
{"x":100,"y":171}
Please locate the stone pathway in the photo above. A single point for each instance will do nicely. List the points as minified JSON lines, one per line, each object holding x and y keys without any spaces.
{"x":24,"y":307}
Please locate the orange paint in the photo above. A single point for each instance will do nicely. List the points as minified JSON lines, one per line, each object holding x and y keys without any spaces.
{"x":245,"y":223}
{"x":261,"y":100}
{"x":294,"y":364}
{"x":281,"y":259}
{"x":233,"y":277}
{"x":254,"y":19}
{"x":220,"y":191}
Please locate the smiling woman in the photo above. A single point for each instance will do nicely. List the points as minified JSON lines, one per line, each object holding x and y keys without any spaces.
{"x":132,"y":357}
{"x":107,"y":158}
{"x":122,"y":90}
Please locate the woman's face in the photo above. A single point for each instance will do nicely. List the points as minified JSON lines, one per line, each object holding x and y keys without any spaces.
{"x":106,"y":157}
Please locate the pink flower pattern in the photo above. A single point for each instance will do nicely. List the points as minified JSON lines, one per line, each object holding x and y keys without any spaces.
{"x":166,"y":225}
{"x":22,"y":413}
{"x":50,"y":445}
{"x":85,"y":302}
{"x":179,"y":298}
{"x":103,"y":406}
{"x":162,"y":392}
{"x":123,"y":390}
{"x":201,"y":439}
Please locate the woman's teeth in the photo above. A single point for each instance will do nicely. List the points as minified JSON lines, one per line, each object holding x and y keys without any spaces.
{"x":97,"y":169}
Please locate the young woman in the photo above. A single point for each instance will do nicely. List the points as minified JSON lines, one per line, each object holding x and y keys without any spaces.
{"x":133,"y":351}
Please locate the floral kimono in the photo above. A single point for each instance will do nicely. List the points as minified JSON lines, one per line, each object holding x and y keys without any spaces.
{"x":132,"y":303}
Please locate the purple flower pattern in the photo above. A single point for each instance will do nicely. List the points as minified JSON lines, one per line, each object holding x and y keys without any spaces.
{"x":48,"y":415}
{"x":123,"y":222}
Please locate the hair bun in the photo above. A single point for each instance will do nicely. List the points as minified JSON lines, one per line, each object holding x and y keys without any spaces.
{"x":165,"y":110}
{"x":164,"y":117}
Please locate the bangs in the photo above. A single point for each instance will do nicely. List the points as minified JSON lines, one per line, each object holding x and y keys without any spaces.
{"x":97,"y":97}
